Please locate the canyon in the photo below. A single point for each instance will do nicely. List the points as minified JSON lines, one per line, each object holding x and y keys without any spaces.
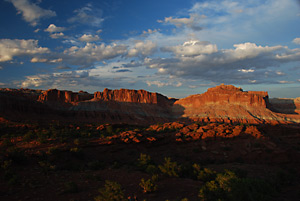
{"x":223,"y":103}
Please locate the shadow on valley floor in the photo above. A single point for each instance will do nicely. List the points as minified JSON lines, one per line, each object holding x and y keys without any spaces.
{"x":284,"y":106}
{"x":23,"y":109}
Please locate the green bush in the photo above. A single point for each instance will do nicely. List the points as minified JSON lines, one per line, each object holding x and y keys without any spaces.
{"x":170,"y":168}
{"x":144,"y":161}
{"x":229,"y":187}
{"x":150,"y":185}
{"x":112,"y":191}
{"x":146,"y":164}
{"x":204,"y":174}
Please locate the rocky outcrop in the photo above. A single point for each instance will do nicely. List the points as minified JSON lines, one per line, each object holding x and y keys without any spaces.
{"x":63,"y":97}
{"x":227,"y":95}
{"x":224,"y":103}
{"x":132,"y":96}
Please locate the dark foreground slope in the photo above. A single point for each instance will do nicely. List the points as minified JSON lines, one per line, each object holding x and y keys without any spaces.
{"x":198,"y":161}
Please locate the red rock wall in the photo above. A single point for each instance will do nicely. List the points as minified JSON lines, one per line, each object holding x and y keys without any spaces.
{"x":132,"y":96}
{"x":54,"y":95}
{"x":226,"y":95}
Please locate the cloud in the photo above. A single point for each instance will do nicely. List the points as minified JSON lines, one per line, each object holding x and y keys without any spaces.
{"x":45,"y":60}
{"x":246,"y":70}
{"x":191,"y":22}
{"x":192,"y":48}
{"x":280,"y":73}
{"x":31,"y":12}
{"x":89,"y":15}
{"x":296,"y":41}
{"x":69,"y":80}
{"x":142,"y":48}
{"x":11,"y":48}
{"x":54,"y":79}
{"x":89,"y":38}
{"x":224,"y":65}
{"x":285,"y":82}
{"x":91,"y":53}
{"x":1,"y":67}
{"x":52,"y":29}
{"x":57,"y":35}
{"x":38,"y":60}
{"x":149,"y":31}
{"x":163,"y":84}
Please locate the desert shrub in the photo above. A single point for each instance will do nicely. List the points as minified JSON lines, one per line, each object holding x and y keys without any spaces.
{"x":70,"y":187}
{"x":112,"y":191}
{"x":144,"y":161}
{"x":170,"y":168}
{"x":203,"y":174}
{"x":229,"y":187}
{"x":149,"y":185}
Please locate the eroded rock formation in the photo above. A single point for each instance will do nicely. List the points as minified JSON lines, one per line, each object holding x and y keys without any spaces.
{"x":224,"y":103}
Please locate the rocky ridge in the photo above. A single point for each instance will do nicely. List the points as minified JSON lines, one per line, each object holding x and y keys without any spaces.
{"x":224,"y":103}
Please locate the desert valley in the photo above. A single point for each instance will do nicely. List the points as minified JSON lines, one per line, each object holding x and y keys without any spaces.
{"x":224,"y":144}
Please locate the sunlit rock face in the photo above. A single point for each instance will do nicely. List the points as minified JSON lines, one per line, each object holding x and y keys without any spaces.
{"x":227,"y":95}
{"x":132,"y":96}
{"x":228,"y":103}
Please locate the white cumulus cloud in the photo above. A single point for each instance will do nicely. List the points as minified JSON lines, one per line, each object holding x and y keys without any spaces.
{"x":57,"y":35}
{"x":91,"y":53}
{"x":296,"y":41}
{"x":192,"y":48}
{"x":53,"y":28}
{"x":142,"y":48}
{"x":11,"y":48}
{"x":89,"y":38}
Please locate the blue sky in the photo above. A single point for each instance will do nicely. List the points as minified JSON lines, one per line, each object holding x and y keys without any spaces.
{"x":173,"y":47}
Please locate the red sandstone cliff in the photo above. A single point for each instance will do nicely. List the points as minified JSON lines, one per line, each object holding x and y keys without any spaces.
{"x":227,"y":95}
{"x":132,"y":96}
{"x":222,"y":103}
{"x":227,"y":103}
{"x":69,"y":97}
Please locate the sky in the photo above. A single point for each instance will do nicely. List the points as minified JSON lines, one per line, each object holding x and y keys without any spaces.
{"x":173,"y":47}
